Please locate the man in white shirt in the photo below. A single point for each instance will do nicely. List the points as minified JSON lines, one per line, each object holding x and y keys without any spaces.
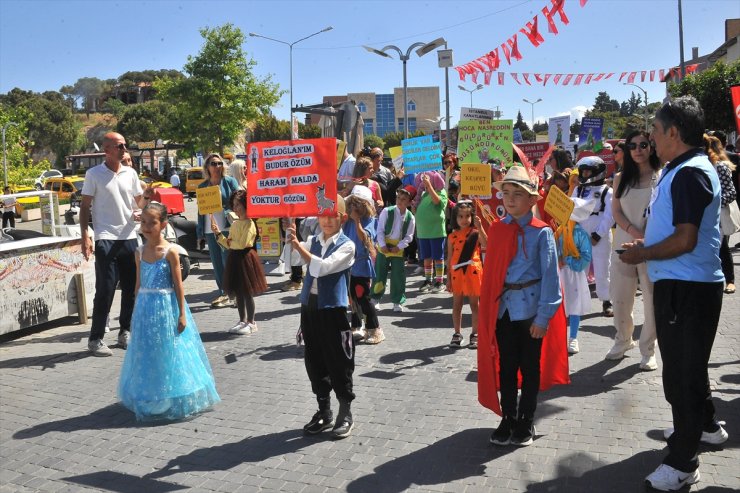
{"x":112,"y":192}
{"x":175,"y":179}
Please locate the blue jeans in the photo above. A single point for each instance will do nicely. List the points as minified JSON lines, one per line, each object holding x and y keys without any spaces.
{"x":218,"y":256}
{"x":114,"y":261}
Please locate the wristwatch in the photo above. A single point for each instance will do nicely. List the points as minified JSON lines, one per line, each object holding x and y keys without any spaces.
{"x":596,"y":236}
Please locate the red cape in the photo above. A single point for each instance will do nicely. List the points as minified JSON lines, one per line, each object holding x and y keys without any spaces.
{"x":502,"y":247}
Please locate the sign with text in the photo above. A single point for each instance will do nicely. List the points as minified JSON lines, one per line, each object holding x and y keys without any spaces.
{"x":397,"y":156}
{"x":534,"y":150}
{"x":421,"y":154}
{"x":341,"y":146}
{"x":477,"y":114}
{"x":209,"y":199}
{"x":559,"y":205}
{"x":589,"y":138}
{"x":475,"y":179}
{"x":478,"y":142}
{"x":558,"y":130}
{"x":269,"y":244}
{"x":292,"y":178}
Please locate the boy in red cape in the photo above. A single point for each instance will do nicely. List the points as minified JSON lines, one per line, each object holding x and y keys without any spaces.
{"x":521,"y":301}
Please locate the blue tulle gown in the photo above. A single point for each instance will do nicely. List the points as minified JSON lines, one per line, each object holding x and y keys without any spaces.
{"x":165,"y":374}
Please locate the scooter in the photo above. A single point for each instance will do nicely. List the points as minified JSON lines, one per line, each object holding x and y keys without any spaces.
{"x":170,"y":234}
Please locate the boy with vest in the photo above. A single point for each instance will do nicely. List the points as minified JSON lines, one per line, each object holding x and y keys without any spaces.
{"x":395,"y":231}
{"x":329,"y":348}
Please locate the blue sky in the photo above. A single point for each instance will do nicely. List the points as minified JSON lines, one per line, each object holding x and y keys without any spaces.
{"x":47,"y":44}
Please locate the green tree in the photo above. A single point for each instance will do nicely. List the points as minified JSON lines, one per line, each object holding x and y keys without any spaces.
{"x":540,"y":127}
{"x":712,"y":89}
{"x":393,"y":139}
{"x":575,"y":129}
{"x":520,"y":123}
{"x":529,"y":136}
{"x":88,"y":91}
{"x":270,"y":128}
{"x":604,"y":103}
{"x":309,"y":131}
{"x":219,"y":94}
{"x":146,"y":121}
{"x":372,"y":140}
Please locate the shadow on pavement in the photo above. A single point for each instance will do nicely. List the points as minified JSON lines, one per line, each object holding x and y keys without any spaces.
{"x":424,"y":356}
{"x":229,"y":455}
{"x":108,"y":417}
{"x":44,"y":361}
{"x":456,"y":457}
{"x":123,"y":483}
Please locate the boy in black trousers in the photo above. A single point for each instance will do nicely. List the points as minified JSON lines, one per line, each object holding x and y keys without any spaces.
{"x":329,"y":352}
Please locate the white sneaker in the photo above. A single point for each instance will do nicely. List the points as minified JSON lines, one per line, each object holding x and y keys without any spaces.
{"x":648,"y":363}
{"x":252,"y":327}
{"x":376,"y":304}
{"x":397,"y":307}
{"x":617,"y":351}
{"x":359,"y":333}
{"x":573,"y":346}
{"x":666,"y":478}
{"x":98,"y":348}
{"x":241,"y":328}
{"x":714,"y":438}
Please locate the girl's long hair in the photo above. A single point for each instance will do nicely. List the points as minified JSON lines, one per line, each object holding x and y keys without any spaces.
{"x":463,"y":204}
{"x":630,"y":169}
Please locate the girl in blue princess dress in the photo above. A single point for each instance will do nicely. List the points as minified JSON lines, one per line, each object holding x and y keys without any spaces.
{"x":165,"y":374}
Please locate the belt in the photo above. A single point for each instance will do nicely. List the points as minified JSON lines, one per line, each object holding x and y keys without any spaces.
{"x":517,"y":286}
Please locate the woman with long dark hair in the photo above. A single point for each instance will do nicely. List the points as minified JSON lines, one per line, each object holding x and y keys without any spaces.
{"x":633,"y":189}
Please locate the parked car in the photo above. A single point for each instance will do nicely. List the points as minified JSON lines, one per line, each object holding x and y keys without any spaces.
{"x":65,"y":186}
{"x":22,"y":202}
{"x":49,"y":173}
{"x":193,"y":178}
{"x":148,"y":180}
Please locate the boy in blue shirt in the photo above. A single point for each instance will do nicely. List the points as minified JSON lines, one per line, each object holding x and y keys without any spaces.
{"x":329,"y":352}
{"x":522,"y":294}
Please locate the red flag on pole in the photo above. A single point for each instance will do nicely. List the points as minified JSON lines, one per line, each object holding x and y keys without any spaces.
{"x":501,"y":78}
{"x":735,"y":91}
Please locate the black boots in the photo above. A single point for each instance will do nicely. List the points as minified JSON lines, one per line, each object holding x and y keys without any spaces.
{"x":502,"y":434}
{"x":344,"y":424}
{"x":323,"y":419}
{"x":524,"y":432}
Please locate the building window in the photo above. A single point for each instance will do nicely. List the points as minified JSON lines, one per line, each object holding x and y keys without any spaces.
{"x":412,"y":125}
{"x":361,"y":106}
{"x":412,"y":105}
{"x":367,"y":129}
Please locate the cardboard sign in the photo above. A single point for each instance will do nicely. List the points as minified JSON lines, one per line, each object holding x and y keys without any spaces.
{"x":292,"y":178}
{"x":477,"y":114}
{"x":341,"y":146}
{"x":209,"y":199}
{"x":397,"y":156}
{"x":421,"y":154}
{"x":475,"y":179}
{"x":559,"y":205}
{"x":478,"y":142}
{"x":534,"y":150}
{"x":589,"y":138}
{"x":269,"y":244}
{"x":558,"y":130}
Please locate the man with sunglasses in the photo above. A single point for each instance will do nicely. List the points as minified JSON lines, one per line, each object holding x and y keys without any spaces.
{"x":681,"y":247}
{"x":112,"y":192}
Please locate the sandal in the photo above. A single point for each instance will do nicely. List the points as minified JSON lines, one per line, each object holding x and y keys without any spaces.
{"x":730,"y":288}
{"x":456,"y":341}
{"x":473,"y":341}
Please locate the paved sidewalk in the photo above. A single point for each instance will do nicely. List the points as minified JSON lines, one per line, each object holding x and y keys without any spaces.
{"x":419,"y":426}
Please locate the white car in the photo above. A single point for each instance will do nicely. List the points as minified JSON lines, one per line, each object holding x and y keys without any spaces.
{"x":49,"y":173}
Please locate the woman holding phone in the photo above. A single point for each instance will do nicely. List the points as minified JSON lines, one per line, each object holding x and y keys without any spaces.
{"x":633,"y":189}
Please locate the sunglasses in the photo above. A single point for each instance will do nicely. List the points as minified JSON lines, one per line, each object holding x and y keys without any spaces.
{"x":215,"y":163}
{"x":120,"y":147}
{"x":616,"y":150}
{"x":643,"y":145}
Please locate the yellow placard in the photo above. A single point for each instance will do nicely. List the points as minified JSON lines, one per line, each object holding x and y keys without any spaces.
{"x":209,"y":199}
{"x":559,"y":205}
{"x":397,"y":156}
{"x":475,"y":179}
{"x":341,"y":146}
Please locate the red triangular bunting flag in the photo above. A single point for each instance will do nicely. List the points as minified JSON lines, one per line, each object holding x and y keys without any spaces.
{"x":460,"y":72}
{"x":690,"y":69}
{"x":526,"y":79}
{"x":567,"y":79}
{"x":598,"y":77}
{"x":538,"y":78}
{"x":578,"y":80}
{"x":514,"y":47}
{"x":588,"y":78}
{"x":487,"y":77}
{"x":515,"y":76}
{"x":652,"y":75}
{"x":631,"y":77}
{"x":583,"y":2}
{"x":501,"y":78}
{"x":547,"y":77}
{"x":475,"y":77}
{"x":642,"y":76}
{"x":557,"y":7}
{"x":556,"y":79}
{"x":609,"y":75}
{"x":622,"y":76}
{"x":532,"y":33}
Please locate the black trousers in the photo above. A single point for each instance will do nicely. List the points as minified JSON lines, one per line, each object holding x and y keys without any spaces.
{"x":359,"y":288}
{"x":330,"y":352}
{"x":518,"y":351}
{"x":728,"y":267}
{"x":114,"y":262}
{"x":686,"y":318}
{"x":9,"y":219}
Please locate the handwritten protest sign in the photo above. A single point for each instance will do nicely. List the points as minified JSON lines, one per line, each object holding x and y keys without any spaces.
{"x":477,"y":142}
{"x":421,"y":154}
{"x":475,"y":179}
{"x":209,"y":199}
{"x":292,"y":178}
{"x":559,"y":205}
{"x":589,"y":139}
{"x":397,"y":156}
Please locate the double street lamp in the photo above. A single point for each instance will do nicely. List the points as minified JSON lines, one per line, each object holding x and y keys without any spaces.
{"x":532,"y":103}
{"x":644,"y":92}
{"x":424,"y":48}
{"x":471,"y":91}
{"x":290,"y":45}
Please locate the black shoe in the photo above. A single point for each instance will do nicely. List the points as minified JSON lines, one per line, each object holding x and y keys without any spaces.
{"x":524,"y":432}
{"x":343,"y":428}
{"x":502,"y":434}
{"x":608,"y":310}
{"x":321,"y":421}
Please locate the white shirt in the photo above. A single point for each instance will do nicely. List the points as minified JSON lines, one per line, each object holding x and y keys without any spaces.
{"x":175,"y":180}
{"x":396,"y":229}
{"x":347,"y":168}
{"x":113,"y":201}
{"x":342,"y":258}
{"x":8,"y":204}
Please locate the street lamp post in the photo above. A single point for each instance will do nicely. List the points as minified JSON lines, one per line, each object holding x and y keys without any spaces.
{"x":290,"y":45}
{"x":471,"y":91}
{"x":644,"y":92}
{"x":445,"y":60}
{"x":404,"y":58}
{"x":532,"y":103}
{"x":5,"y":157}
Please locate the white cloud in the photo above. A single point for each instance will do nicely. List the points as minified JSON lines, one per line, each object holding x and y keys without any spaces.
{"x":575,"y":112}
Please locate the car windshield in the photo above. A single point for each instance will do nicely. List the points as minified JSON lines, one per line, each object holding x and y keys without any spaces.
{"x":195,"y":175}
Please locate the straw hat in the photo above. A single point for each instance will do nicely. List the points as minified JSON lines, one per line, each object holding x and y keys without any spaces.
{"x":518,"y":175}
